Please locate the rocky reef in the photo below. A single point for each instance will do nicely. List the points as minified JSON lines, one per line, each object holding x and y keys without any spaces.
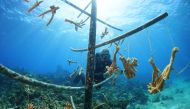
{"x":15,"y":95}
{"x":124,"y":94}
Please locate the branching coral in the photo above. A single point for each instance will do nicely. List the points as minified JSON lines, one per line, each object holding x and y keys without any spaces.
{"x":158,"y":82}
{"x":129,"y":67}
{"x":52,"y":10}
{"x":112,"y":68}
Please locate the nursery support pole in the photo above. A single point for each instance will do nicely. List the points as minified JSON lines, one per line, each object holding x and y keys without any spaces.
{"x":90,"y":58}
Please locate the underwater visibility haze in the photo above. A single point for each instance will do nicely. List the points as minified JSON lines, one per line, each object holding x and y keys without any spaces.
{"x":37,"y":38}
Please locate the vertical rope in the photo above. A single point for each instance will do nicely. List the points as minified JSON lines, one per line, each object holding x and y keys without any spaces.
{"x":150,"y":44}
{"x":128,"y":48}
{"x":169,"y":34}
{"x":54,"y":2}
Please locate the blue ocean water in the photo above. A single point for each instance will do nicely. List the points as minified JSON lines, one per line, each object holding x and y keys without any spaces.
{"x":26,"y":42}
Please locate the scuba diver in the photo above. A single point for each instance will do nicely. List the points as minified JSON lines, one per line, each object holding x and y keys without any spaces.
{"x":53,"y":10}
{"x":34,"y":6}
{"x":158,"y":82}
{"x":76,"y":24}
{"x":129,"y":66}
{"x":104,"y":33}
{"x":102,"y":60}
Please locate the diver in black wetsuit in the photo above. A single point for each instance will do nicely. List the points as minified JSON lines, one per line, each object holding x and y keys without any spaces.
{"x":102,"y":60}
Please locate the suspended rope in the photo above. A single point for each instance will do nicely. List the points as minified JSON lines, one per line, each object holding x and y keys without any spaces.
{"x":128,"y":48}
{"x":169,"y":34}
{"x":117,"y":44}
{"x":183,"y":69}
{"x":149,"y":43}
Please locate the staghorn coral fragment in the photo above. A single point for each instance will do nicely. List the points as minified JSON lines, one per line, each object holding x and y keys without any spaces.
{"x":30,"y":106}
{"x":76,"y":24}
{"x":52,"y":10}
{"x":67,"y":106}
{"x":129,"y":66}
{"x":112,"y":68}
{"x":34,"y":6}
{"x":104,"y":33}
{"x":158,"y":82}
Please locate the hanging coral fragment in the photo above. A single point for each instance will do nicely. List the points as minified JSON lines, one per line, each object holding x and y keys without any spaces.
{"x":158,"y":81}
{"x":53,"y":10}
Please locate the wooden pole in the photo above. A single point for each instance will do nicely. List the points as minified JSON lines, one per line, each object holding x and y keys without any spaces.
{"x":91,"y":58}
{"x":127,"y":34}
